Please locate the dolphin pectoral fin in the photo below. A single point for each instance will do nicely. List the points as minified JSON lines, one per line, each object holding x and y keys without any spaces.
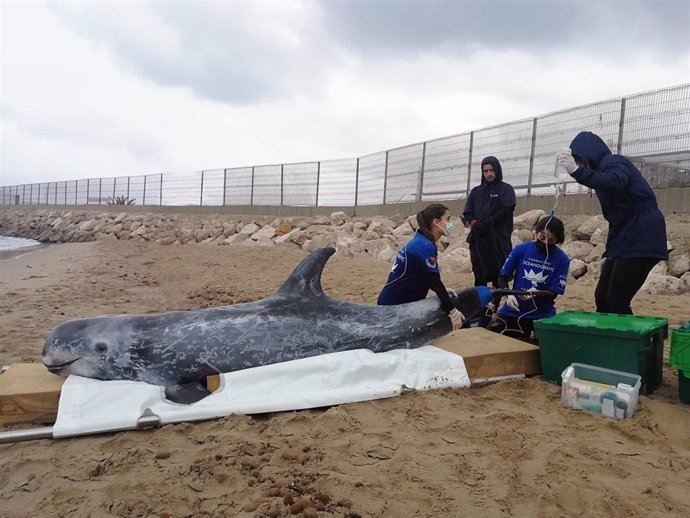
{"x":186,"y":393}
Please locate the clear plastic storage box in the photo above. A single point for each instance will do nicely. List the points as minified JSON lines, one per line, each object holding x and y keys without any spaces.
{"x":599,"y":390}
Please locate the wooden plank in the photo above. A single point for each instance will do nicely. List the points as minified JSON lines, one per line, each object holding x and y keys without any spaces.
{"x":488,"y":354}
{"x":29,"y":394}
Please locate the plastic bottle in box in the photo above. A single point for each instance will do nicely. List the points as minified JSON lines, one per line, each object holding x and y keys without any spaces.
{"x":598,"y":390}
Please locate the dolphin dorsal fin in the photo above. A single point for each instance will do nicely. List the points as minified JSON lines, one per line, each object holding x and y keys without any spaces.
{"x":305,"y":279}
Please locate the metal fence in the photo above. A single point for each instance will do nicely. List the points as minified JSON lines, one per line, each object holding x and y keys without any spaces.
{"x":651,"y":128}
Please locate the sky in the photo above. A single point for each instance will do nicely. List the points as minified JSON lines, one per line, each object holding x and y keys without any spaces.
{"x":102,"y":89}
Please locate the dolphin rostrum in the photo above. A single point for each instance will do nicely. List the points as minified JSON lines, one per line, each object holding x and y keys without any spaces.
{"x":178,"y":349}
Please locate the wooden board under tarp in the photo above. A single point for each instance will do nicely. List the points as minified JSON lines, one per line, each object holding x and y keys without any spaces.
{"x":30,"y":394}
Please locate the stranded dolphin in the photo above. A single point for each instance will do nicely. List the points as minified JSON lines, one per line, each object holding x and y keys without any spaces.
{"x":179,"y":349}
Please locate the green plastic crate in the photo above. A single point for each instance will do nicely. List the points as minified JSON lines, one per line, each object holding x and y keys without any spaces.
{"x":626,"y":343}
{"x":680,"y":348}
{"x":684,"y":386}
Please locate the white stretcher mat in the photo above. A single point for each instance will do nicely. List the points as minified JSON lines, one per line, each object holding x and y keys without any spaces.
{"x":90,"y":406}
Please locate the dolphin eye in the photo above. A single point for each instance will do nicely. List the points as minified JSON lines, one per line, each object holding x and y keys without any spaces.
{"x":101,"y":347}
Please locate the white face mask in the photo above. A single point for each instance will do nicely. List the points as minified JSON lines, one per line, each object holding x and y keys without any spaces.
{"x":448,"y":229}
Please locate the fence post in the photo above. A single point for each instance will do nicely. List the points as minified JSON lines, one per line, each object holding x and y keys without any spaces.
{"x":143,"y":201}
{"x":251,"y":193}
{"x":356,"y":185}
{"x":225,"y":184}
{"x":282,"y":181}
{"x":128,"y":178}
{"x":201,"y":195}
{"x":31,"y":194}
{"x":621,"y":123}
{"x":420,"y":180}
{"x":318,"y":181}
{"x":160,"y":201}
{"x":469,"y":165}
{"x":39,"y":194}
{"x":385,"y":179}
{"x":114,"y":187}
{"x":531,"y":157}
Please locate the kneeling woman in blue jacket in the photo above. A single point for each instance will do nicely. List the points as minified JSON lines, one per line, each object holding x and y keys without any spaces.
{"x":416,"y":270}
{"x":536,"y":265}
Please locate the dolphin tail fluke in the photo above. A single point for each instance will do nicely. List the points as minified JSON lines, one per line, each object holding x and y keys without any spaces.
{"x":305,"y":280}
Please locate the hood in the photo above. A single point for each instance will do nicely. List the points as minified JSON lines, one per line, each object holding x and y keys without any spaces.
{"x":589,"y":147}
{"x":497,"y":168}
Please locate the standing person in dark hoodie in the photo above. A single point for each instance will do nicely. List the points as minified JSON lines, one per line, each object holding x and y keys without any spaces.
{"x":489,"y":213}
{"x":637,"y":230}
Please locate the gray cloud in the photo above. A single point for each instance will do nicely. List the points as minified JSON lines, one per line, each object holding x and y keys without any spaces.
{"x":451,"y":26}
{"x":220,"y":50}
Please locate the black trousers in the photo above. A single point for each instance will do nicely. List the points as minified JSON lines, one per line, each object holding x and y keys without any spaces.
{"x":509,"y":326}
{"x":619,"y":282}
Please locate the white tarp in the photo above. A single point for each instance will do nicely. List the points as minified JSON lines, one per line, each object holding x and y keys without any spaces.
{"x":91,"y":406}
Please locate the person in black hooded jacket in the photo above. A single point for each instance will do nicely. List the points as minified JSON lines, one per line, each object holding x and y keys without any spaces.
{"x":489,"y":213}
{"x":637,"y":230}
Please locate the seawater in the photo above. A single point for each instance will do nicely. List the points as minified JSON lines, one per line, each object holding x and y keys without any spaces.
{"x":8,"y":243}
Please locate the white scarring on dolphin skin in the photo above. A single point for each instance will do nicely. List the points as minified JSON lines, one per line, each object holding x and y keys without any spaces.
{"x":179,"y":349}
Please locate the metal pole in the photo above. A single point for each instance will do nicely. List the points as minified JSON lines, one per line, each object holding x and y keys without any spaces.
{"x":114,"y":187}
{"x":143,"y":198}
{"x":420,"y":182}
{"x":469,"y":165}
{"x":385,"y":179}
{"x":318,"y":181}
{"x":225,"y":184}
{"x":251,"y":196}
{"x":201,"y":195}
{"x":531,"y":157}
{"x":282,"y":183}
{"x":356,"y":184}
{"x":619,"y":148}
{"x":32,"y":434}
{"x":161,"y":191}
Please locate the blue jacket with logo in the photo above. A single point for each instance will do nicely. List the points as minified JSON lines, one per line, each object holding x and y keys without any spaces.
{"x":636,"y":225}
{"x":533,"y":269}
{"x":407,"y":281}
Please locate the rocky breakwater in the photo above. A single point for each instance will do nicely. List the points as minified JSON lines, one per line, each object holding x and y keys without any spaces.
{"x":378,"y":237}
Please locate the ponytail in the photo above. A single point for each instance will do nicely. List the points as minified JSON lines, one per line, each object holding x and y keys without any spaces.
{"x":426,"y":216}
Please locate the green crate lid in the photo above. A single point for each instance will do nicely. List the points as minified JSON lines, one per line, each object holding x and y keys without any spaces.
{"x":603,"y":322}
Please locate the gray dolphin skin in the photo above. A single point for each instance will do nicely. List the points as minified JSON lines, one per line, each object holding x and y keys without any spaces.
{"x":179,"y":349}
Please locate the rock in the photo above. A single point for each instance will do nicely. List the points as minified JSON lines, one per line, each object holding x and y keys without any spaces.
{"x":284,"y":228}
{"x":234,"y":239}
{"x":403,"y":231}
{"x":663,"y":285}
{"x":595,"y":255}
{"x":338,"y":218}
{"x":686,"y":281}
{"x":319,"y":241}
{"x":527,"y":220}
{"x":321,"y":220}
{"x":590,"y":225}
{"x":249,"y":229}
{"x":578,"y":249}
{"x":678,"y":265}
{"x":456,"y":259}
{"x":599,"y":236}
{"x":285,"y":238}
{"x":412,"y":221}
{"x":577,"y":268}
{"x":266,"y":233}
{"x":359,"y":225}
{"x":381,"y":226}
{"x":661,"y":268}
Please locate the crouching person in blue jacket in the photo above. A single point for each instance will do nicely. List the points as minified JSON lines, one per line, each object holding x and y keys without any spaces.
{"x":637,"y":230}
{"x":536,"y":265}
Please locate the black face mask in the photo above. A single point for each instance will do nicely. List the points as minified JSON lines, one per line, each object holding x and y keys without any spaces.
{"x":544,"y":248}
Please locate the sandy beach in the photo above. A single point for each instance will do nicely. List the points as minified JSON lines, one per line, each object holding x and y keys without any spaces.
{"x":508,"y":449}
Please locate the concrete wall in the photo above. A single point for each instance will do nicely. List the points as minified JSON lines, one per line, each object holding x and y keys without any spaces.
{"x":671,"y":201}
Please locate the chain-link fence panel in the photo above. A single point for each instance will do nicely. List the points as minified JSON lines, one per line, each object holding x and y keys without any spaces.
{"x":445,"y":168}
{"x":338,"y":183}
{"x":238,"y":186}
{"x":300,"y":184}
{"x":403,"y":173}
{"x":372,"y":179}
